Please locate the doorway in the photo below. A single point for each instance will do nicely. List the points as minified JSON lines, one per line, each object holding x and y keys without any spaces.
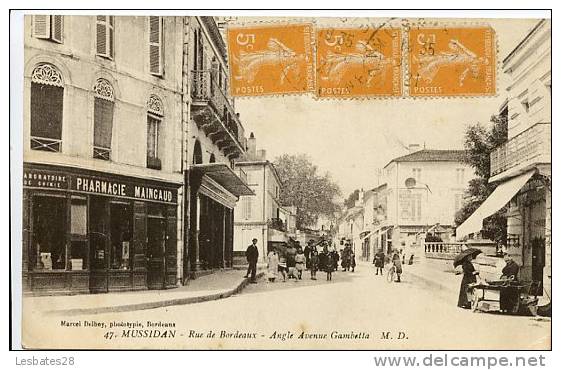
{"x":155,"y":249}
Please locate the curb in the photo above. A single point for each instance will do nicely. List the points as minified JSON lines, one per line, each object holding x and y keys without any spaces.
{"x":156,"y":304}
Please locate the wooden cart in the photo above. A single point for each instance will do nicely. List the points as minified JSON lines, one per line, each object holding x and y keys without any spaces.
{"x":504,"y":296}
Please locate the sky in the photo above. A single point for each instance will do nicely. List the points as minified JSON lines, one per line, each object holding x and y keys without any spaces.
{"x":350,"y":139}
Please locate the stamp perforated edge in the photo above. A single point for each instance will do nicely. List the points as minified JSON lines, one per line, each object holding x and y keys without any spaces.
{"x":379,"y":23}
{"x":406,"y":24}
{"x":445,"y":23}
{"x":273,"y":23}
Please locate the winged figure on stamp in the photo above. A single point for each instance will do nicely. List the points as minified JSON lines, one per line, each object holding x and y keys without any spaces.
{"x":457,"y":55}
{"x":276,"y":54}
{"x":336,"y":64}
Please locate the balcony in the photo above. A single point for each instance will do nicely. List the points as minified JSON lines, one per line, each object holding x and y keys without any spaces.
{"x":524,"y":151}
{"x":213,"y":113}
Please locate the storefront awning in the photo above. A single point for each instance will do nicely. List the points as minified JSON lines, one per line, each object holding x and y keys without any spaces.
{"x":498,"y":198}
{"x":225,"y":177}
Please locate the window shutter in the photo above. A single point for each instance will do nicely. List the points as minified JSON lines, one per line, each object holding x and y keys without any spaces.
{"x":111,"y":36}
{"x":155,"y":45}
{"x":101,"y":35}
{"x":41,"y":26}
{"x":57,"y":28}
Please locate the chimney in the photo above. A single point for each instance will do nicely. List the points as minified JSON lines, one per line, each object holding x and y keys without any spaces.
{"x":251,"y":146}
{"x":261,"y":154}
{"x":414,"y":148}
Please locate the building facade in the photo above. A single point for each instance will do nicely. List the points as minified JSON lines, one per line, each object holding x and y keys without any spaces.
{"x":215,"y":139}
{"x":261,"y":216}
{"x":102,"y":182}
{"x":419,"y":191}
{"x":522,"y":166}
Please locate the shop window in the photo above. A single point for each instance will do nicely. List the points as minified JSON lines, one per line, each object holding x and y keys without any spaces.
{"x":155,"y":46}
{"x":121,"y":235}
{"x":103,"y":119}
{"x":46,"y":108}
{"x":49,"y":233}
{"x":105,"y":36}
{"x":78,"y":233}
{"x":154,"y":121}
{"x":48,"y":27}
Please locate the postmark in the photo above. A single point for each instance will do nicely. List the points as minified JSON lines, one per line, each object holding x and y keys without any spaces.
{"x":358,"y":62}
{"x":452,"y":61}
{"x":271,"y":59}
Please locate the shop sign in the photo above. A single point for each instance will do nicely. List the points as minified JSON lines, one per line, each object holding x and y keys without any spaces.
{"x":44,"y":179}
{"x":98,"y":185}
{"x":127,"y":189}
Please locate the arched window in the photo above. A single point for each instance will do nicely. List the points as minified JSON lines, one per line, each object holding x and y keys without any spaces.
{"x":47,"y":91}
{"x":154,"y":120}
{"x":104,"y":103}
{"x":212,"y":158}
{"x":197,"y":153}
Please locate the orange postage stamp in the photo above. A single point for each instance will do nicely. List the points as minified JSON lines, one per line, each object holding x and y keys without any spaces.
{"x":358,"y":62}
{"x":271,"y":59}
{"x":452,"y":61}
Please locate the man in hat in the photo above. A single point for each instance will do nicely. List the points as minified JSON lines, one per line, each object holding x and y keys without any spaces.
{"x":252,"y":255}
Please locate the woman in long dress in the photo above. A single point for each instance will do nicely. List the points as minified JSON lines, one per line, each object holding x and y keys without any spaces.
{"x":272,"y":265}
{"x":470,"y":276}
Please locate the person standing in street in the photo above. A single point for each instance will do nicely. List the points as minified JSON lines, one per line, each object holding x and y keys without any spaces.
{"x":470,"y":276}
{"x":272,"y":265}
{"x":314,"y":261}
{"x":379,"y":259}
{"x":398,"y":268}
{"x":307,"y":251}
{"x":252,"y":255}
{"x":329,"y":264}
{"x":300,"y":260}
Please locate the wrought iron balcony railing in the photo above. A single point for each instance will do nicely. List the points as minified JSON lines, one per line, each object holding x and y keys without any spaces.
{"x":205,"y":89}
{"x":531,"y":146}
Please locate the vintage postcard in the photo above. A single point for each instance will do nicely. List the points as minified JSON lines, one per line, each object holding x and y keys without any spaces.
{"x":221,"y":182}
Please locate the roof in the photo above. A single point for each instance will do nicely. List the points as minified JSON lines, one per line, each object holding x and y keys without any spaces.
{"x":432,"y":155}
{"x":533,"y":31}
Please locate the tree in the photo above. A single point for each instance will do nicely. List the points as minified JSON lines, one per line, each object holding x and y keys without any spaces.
{"x":350,"y":201}
{"x":302,"y":186}
{"x":479,"y":143}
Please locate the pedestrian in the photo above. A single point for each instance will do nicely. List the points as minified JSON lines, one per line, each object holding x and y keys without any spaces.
{"x":300,"y":260}
{"x":314,"y":261}
{"x":329,"y":266}
{"x":272,"y":265}
{"x":336,"y":259}
{"x":470,"y":276}
{"x":252,"y":255}
{"x":282,"y":267}
{"x":379,"y":259}
{"x":290,"y":261}
{"x":353,"y":261}
{"x":307,"y":251}
{"x":398,"y":268}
